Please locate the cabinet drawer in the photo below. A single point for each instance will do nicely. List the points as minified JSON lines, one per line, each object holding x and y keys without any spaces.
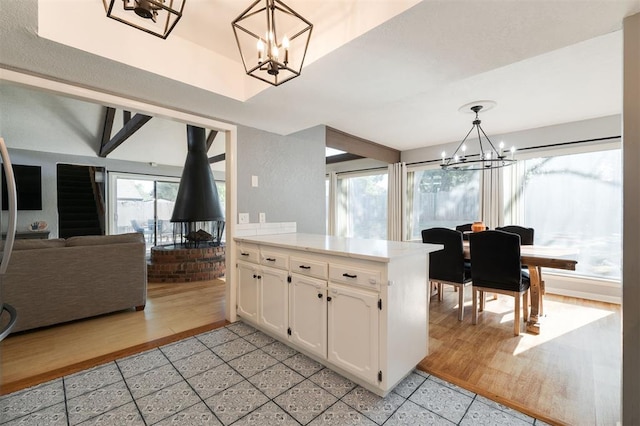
{"x":275,"y":259}
{"x":312,"y":268}
{"x":368,"y":278}
{"x":248,"y":253}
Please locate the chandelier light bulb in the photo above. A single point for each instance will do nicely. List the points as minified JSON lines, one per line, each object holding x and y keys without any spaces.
{"x":285,"y":45}
{"x":501,"y":146}
{"x":260,"y":47}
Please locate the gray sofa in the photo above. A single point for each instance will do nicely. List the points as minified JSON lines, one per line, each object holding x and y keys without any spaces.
{"x":57,"y":280}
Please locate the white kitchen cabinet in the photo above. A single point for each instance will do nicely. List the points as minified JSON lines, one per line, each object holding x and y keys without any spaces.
{"x":353,"y":330}
{"x":273,"y":307}
{"x":308,"y":314}
{"x":247,"y":300}
{"x":360,"y":307}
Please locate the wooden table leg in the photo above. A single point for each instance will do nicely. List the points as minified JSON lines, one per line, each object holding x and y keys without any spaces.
{"x":533,"y":325}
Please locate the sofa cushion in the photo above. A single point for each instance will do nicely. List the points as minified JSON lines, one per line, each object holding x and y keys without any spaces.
{"x":31,"y":244}
{"x":98,"y":240}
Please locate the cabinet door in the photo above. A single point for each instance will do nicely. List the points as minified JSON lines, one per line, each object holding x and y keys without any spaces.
{"x":248,"y":291}
{"x":308,"y":314}
{"x":273,"y":297}
{"x":353,"y":330}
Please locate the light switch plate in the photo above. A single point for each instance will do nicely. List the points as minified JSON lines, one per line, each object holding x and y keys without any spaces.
{"x":254,"y":181}
{"x":243,"y":218}
{"x":263,"y":218}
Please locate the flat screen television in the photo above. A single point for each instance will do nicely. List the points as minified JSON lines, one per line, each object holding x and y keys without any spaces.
{"x":28,"y":187}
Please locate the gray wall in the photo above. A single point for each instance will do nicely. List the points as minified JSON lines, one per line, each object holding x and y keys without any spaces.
{"x":291,"y":177}
{"x":48,"y":161}
{"x":568,"y":132}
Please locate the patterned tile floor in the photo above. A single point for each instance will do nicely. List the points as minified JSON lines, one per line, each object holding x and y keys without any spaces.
{"x":237,"y":375}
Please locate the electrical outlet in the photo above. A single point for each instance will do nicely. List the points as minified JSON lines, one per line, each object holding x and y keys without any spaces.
{"x":243,"y":218}
{"x":263,"y":218}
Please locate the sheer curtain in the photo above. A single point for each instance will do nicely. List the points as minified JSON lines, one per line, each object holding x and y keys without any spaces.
{"x":396,"y":201}
{"x":492,"y":195}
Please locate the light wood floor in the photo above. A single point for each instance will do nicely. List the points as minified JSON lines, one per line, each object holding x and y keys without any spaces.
{"x":569,"y":374}
{"x":173,"y":311}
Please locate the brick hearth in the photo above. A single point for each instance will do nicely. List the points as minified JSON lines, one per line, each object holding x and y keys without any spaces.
{"x":183,"y":265}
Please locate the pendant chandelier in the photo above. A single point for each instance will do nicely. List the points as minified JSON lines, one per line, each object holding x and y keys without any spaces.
{"x":157,"y":17}
{"x":273,"y":40}
{"x":489,"y":157}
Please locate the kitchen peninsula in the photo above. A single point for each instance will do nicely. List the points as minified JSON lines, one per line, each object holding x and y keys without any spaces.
{"x":358,"y":306}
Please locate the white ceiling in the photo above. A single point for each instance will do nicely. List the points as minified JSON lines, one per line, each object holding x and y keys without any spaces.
{"x":397,"y":82}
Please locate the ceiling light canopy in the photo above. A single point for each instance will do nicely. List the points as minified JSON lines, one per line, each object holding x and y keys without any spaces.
{"x":489,"y":156}
{"x":273,"y":41}
{"x":157,"y":17}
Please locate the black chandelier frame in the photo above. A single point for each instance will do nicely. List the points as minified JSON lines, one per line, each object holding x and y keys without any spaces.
{"x":274,"y":70}
{"x":491,"y":159}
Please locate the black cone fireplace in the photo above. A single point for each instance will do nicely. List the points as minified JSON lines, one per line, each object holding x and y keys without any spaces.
{"x":197,"y":216}
{"x":197,"y":252}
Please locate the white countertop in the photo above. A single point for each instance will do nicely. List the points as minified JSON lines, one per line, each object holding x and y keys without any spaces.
{"x":377,"y":250}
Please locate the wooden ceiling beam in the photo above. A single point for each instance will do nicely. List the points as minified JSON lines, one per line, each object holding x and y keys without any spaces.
{"x":132,"y":126}
{"x":217,"y":158}
{"x":212,"y":135}
{"x":359,"y":146}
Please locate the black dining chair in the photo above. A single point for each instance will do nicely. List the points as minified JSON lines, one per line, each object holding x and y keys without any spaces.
{"x":447,"y":266}
{"x":466,"y":227}
{"x":526,"y":239}
{"x":496,"y":268}
{"x":526,"y":234}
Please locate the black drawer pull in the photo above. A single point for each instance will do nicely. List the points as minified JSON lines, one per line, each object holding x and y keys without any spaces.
{"x":269,"y":259}
{"x":349,"y":276}
{"x":304,"y":267}
{"x":244,"y":254}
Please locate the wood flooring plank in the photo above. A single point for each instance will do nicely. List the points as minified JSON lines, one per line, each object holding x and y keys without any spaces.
{"x":569,"y":374}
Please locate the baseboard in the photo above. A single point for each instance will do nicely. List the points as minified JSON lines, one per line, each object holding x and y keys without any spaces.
{"x":608,"y":291}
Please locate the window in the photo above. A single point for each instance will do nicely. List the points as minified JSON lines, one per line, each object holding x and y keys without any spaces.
{"x":362,"y":205}
{"x":572,"y":200}
{"x":439,"y":198}
{"x":144,"y":204}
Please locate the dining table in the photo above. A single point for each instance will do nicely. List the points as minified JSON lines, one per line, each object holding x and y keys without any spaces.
{"x":536,"y":257}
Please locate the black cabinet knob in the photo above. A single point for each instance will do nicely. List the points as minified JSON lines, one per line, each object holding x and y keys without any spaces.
{"x":328,"y":298}
{"x":319,"y":295}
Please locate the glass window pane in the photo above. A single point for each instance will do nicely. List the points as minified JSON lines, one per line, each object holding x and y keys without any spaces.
{"x":362,"y":206}
{"x":134,"y":207}
{"x":166,"y":193}
{"x":575,"y":200}
{"x":442,"y":198}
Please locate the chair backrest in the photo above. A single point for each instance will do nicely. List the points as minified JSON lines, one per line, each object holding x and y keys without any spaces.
{"x":447,"y":264}
{"x":495,"y":260}
{"x":136,"y":226}
{"x":526,"y":234}
{"x":464,"y":227}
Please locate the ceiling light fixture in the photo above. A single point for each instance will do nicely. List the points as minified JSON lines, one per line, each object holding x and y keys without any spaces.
{"x":275,"y":52}
{"x":157,"y":17}
{"x":489,"y":157}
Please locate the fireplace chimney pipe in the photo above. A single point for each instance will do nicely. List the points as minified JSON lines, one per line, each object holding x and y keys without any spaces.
{"x":197,"y":198}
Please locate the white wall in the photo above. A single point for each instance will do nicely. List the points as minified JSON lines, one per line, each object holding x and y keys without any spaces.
{"x":631,"y":224}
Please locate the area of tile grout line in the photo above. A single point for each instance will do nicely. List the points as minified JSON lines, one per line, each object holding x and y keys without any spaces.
{"x":241,"y":376}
